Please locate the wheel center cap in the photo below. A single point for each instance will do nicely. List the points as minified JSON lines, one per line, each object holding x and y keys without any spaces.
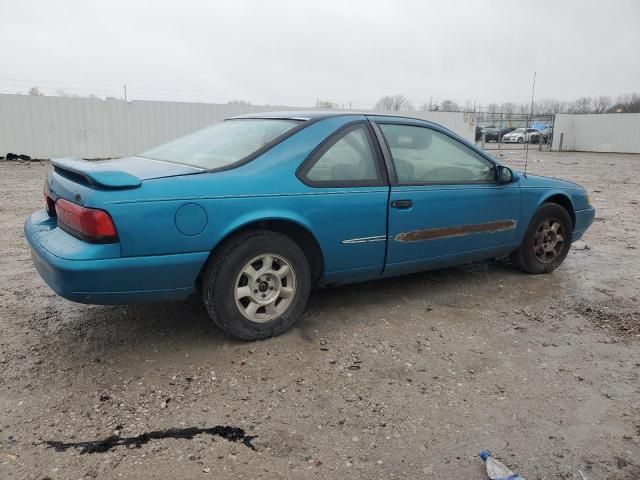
{"x":263,"y":286}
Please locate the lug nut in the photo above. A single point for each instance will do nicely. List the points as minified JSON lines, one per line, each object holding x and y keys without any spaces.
{"x":255,"y":291}
{"x":264,"y":295}
{"x":270,"y":288}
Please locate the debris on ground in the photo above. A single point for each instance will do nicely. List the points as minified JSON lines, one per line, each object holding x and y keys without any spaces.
{"x":616,"y":318}
{"x":579,"y":245}
{"x":12,"y":157}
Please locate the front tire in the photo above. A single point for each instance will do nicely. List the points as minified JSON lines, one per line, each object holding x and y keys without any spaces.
{"x":257,"y":285}
{"x":547,"y":240}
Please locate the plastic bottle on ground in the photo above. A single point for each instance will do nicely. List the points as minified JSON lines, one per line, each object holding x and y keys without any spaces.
{"x":496,"y":470}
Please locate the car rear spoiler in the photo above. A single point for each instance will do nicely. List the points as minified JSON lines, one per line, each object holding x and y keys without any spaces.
{"x":97,"y":173}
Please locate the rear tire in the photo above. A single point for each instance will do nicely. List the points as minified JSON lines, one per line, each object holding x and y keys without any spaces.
{"x":546,"y":242}
{"x":257,"y":285}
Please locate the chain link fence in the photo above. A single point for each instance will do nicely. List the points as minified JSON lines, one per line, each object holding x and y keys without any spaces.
{"x":496,"y":131}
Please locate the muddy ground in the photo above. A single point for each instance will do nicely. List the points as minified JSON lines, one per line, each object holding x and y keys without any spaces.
{"x":402,"y":378}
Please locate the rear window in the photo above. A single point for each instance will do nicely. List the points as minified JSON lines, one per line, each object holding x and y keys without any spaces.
{"x":222,"y":144}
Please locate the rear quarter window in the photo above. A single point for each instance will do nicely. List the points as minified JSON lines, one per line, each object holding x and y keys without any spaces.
{"x":222,"y":144}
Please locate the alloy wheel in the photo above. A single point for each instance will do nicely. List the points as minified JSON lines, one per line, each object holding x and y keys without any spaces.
{"x":548,"y":240}
{"x":265,"y":288}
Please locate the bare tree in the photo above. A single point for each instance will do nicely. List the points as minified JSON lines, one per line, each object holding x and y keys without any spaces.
{"x":449,"y":106}
{"x":384,"y":103}
{"x":628,"y":103}
{"x":61,"y":93}
{"x":601,"y":104}
{"x":580,"y":105}
{"x":633,"y":106}
{"x":509,"y":108}
{"x":492,"y":110}
{"x":326,"y":104}
{"x":394,"y":103}
{"x":633,"y":103}
{"x":238,"y":102}
{"x":547,"y":106}
{"x":35,"y":91}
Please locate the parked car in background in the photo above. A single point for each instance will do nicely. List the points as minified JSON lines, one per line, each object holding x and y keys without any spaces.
{"x":493,"y":134}
{"x":257,"y":210}
{"x":523,"y":135}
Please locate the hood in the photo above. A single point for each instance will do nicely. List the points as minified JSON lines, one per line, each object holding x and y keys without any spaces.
{"x":123,"y":172}
{"x":547,"y":182}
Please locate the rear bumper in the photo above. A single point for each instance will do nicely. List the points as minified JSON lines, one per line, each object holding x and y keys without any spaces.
{"x":91,"y":273}
{"x":584,"y":219}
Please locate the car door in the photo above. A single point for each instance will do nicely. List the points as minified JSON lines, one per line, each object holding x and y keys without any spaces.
{"x":349,"y":191}
{"x":445,"y":204}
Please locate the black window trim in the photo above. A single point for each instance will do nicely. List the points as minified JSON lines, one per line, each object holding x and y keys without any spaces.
{"x":382,"y":178}
{"x":386,"y":153}
{"x":391,"y":166}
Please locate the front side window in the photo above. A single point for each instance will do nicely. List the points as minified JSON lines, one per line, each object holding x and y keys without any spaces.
{"x":422,"y":155}
{"x":222,"y":144}
{"x":346,"y":159}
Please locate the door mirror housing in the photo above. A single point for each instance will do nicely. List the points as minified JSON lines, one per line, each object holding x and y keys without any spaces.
{"x":505,"y":175}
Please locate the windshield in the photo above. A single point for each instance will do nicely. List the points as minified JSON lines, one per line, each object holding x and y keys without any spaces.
{"x":222,"y":144}
{"x":518,"y":130}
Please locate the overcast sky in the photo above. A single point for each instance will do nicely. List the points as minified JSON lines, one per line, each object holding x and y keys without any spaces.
{"x":292,"y":52}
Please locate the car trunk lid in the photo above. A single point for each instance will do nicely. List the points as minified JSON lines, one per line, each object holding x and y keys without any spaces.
{"x":121,"y":173}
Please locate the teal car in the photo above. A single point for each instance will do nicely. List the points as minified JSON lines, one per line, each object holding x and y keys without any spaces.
{"x":255,"y":211}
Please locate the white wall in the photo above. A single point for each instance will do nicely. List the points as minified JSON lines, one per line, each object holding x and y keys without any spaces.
{"x":611,"y":132}
{"x":46,"y":127}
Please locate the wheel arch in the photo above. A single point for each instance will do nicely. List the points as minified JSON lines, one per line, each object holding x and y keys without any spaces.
{"x":294,"y":229}
{"x":564,"y":201}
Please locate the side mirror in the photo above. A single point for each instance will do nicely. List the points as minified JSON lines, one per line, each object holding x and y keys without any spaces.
{"x":505,"y":175}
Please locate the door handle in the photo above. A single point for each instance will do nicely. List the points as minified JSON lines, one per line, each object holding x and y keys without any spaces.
{"x":402,"y":204}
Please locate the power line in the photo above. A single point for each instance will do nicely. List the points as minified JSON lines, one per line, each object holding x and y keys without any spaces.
{"x":152,"y":92}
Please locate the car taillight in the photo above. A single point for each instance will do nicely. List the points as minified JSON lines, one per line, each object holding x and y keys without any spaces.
{"x":89,"y":224}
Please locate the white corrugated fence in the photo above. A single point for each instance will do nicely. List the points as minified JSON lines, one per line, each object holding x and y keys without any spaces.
{"x":609,"y":132}
{"x":47,"y":127}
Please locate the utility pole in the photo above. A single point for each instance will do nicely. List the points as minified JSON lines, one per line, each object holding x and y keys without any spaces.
{"x":125,"y":92}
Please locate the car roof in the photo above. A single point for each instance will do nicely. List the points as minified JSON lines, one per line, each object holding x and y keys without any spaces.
{"x":317,"y":114}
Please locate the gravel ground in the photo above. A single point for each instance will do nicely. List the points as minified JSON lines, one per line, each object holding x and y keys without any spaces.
{"x":403,"y":378}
